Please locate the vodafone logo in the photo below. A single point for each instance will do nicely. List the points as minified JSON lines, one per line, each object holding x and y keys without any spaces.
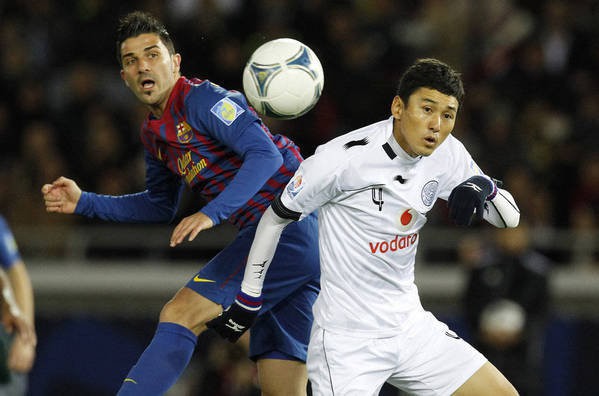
{"x":393,"y":245}
{"x":406,"y":217}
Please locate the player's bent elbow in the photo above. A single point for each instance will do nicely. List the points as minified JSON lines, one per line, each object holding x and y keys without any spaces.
{"x":513,"y":220}
{"x":503,"y":219}
{"x":503,"y":211}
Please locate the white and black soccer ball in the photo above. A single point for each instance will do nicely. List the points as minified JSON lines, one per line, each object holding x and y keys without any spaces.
{"x":283,"y":79}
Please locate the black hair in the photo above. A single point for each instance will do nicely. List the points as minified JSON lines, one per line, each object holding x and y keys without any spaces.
{"x":430,"y":73}
{"x":139,"y":22}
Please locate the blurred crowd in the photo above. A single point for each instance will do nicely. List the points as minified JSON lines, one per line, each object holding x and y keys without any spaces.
{"x":530,"y":116}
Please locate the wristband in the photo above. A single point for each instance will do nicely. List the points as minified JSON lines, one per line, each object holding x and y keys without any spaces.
{"x":248,"y":302}
{"x":494,"y":188}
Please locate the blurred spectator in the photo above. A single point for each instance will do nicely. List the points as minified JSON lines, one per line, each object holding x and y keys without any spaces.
{"x":584,"y":214}
{"x":506,"y":303}
{"x":39,"y":159}
{"x":227,"y":371}
{"x":585,"y":246}
{"x":532,"y":194}
{"x":8,"y":138}
{"x":586,"y":192}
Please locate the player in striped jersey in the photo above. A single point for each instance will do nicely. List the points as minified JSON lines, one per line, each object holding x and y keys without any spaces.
{"x":203,"y":136}
{"x":373,"y":188}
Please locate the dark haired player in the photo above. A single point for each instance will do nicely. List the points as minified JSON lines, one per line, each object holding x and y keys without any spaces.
{"x":203,"y":136}
{"x":373,"y":188}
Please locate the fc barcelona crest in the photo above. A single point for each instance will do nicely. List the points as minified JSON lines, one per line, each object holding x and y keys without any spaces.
{"x":184,"y":132}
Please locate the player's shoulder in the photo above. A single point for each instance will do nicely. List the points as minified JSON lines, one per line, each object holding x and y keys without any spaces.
{"x":359,"y":140}
{"x":197,"y":85}
{"x":451,"y":149}
{"x":204,"y":98}
{"x":6,"y":239}
{"x":209,"y":91}
{"x":453,"y":143}
{"x":345,"y":155}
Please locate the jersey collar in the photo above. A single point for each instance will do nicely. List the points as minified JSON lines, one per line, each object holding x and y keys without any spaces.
{"x":394,"y":151}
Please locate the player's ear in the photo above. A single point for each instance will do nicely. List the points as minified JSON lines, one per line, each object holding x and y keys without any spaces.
{"x":123,"y":77}
{"x":397,"y":107}
{"x":176,"y":63}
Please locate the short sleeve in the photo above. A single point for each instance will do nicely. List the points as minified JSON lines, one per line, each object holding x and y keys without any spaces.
{"x":460,"y":167}
{"x":316,"y":182}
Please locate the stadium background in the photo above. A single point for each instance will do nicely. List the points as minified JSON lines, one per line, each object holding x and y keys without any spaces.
{"x":530,"y":118}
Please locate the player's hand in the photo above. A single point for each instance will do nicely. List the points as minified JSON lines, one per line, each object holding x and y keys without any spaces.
{"x":22,"y":353}
{"x":61,"y":196}
{"x":238,"y":318}
{"x":468,"y":199}
{"x":190,"y":225}
{"x":14,"y":322}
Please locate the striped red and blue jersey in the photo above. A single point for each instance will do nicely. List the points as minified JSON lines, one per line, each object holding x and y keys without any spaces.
{"x":209,"y":139}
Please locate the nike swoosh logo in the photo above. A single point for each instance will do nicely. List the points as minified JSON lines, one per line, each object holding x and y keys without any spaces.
{"x":130,"y":380}
{"x":198,"y":279}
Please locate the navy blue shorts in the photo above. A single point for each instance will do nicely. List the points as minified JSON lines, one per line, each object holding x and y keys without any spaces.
{"x":290,"y":288}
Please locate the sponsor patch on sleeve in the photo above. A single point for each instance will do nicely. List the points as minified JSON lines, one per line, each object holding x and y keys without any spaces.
{"x":226,"y":110}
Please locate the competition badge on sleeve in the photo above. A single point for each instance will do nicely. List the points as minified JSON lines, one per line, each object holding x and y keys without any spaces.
{"x":295,"y":185}
{"x":226,"y":110}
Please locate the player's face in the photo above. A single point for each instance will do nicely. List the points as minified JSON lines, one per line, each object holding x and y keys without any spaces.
{"x":425,"y":122}
{"x":149,"y":70}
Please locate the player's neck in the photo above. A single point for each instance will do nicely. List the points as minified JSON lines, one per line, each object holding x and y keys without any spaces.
{"x":157,"y":109}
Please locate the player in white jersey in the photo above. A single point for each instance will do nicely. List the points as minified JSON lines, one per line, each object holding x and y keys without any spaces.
{"x":372,"y":189}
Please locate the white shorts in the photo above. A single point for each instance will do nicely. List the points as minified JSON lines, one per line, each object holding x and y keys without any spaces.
{"x":424,"y":359}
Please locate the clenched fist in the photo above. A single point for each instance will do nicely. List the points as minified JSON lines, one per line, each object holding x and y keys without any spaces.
{"x":61,"y":196}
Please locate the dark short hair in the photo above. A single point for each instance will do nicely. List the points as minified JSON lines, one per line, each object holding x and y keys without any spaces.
{"x":430,"y":73}
{"x":139,"y":22}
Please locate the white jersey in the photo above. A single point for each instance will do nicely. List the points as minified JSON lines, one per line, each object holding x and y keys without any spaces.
{"x":372,"y":199}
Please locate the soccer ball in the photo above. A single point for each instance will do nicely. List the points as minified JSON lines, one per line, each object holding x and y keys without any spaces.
{"x":283,"y":79}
